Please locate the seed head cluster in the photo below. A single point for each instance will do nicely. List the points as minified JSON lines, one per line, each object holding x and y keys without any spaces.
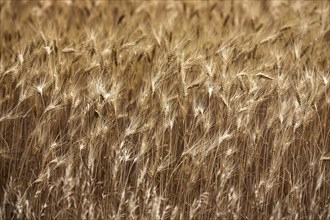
{"x":164,"y":110}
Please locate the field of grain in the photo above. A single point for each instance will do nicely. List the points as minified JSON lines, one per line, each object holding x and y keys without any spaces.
{"x":164,"y":109}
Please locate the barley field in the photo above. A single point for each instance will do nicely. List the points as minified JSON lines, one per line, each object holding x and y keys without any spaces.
{"x":164,"y":109}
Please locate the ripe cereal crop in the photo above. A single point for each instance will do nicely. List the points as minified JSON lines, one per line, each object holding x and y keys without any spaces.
{"x":164,"y":109}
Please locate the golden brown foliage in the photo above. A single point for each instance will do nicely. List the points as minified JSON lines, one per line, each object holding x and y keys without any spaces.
{"x":165,"y":110}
